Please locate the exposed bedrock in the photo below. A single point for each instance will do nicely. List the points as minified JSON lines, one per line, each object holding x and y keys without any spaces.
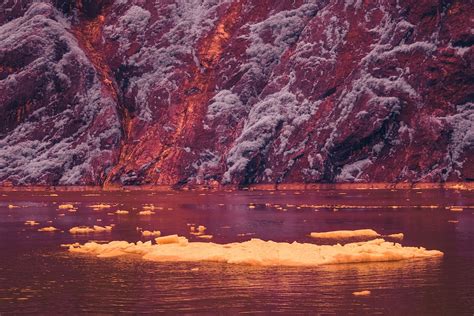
{"x":235,"y":92}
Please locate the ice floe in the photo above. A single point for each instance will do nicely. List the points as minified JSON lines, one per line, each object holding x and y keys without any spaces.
{"x":174,"y":248}
{"x":346,"y":234}
{"x":90,"y":230}
{"x":172,"y":239}
{"x":147,"y":212}
{"x":359,"y":233}
{"x":205,"y":236}
{"x":199,"y":231}
{"x":396,"y":236}
{"x":148,"y":233}
{"x":48,"y":229}
{"x":100,"y":206}
{"x":65,"y":206}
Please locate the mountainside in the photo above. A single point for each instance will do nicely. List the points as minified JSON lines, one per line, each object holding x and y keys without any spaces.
{"x":187,"y":92}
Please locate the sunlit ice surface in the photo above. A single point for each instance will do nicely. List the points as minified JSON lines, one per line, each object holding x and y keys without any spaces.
{"x":37,"y":275}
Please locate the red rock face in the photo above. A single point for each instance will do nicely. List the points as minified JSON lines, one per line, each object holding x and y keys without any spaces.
{"x":228,"y":91}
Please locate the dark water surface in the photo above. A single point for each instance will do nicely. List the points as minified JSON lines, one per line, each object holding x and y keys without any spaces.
{"x":38,"y":276}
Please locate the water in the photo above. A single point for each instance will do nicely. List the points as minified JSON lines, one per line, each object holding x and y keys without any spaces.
{"x":38,"y":276}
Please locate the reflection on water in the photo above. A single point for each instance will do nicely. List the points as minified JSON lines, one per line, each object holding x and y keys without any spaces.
{"x":36,"y":275}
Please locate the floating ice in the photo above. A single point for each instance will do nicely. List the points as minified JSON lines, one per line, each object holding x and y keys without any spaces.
{"x":151,"y":207}
{"x":146,"y":213}
{"x":205,"y":236}
{"x":148,"y":233}
{"x":346,"y":234}
{"x":257,"y":252}
{"x":360,"y":233}
{"x":76,"y":244}
{"x":89,"y":230}
{"x":101,"y":205}
{"x":171,"y":239}
{"x":361,"y":293}
{"x":396,"y":236}
{"x":48,"y":229}
{"x":198,"y":231}
{"x":65,"y":206}
{"x":31,"y":223}
{"x":121,"y":212}
{"x":245,"y":234}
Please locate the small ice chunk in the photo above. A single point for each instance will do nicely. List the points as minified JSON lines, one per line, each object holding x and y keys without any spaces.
{"x":148,"y":233}
{"x":99,"y":229}
{"x":245,"y":234}
{"x":31,"y":223}
{"x":100,"y":206}
{"x":198,"y":231}
{"x":341,"y":234}
{"x":205,"y":236}
{"x":65,"y":206}
{"x":89,"y":230}
{"x":361,"y":293}
{"x":121,"y":212}
{"x":147,"y":212}
{"x":48,"y":229}
{"x":76,"y":244}
{"x":396,"y":236}
{"x":171,"y":239}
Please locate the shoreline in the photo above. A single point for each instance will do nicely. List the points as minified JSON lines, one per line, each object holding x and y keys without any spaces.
{"x":464,"y":186}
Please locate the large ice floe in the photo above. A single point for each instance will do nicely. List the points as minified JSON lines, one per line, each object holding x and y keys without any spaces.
{"x":174,"y":248}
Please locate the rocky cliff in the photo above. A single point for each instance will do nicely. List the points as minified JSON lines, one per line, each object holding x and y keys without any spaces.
{"x":187,"y":92}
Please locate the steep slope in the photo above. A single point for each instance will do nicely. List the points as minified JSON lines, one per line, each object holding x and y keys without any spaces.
{"x":59,"y":121}
{"x":236,"y":91}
